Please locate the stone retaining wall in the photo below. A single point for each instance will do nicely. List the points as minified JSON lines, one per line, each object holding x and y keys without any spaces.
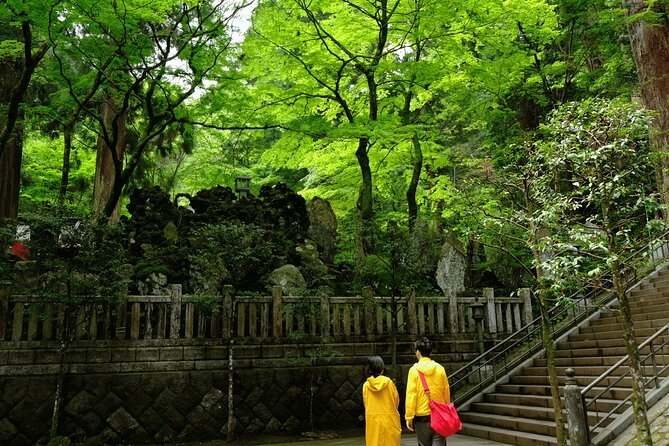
{"x":177,"y":391}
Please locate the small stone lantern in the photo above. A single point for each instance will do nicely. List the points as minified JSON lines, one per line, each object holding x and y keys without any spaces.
{"x":478,"y":314}
{"x":242,"y":186}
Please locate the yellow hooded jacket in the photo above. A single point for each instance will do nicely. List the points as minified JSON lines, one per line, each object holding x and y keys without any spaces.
{"x":417,"y":403}
{"x":382,"y":420}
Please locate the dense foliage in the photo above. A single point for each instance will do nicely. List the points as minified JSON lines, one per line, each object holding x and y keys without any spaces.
{"x":394,"y":111}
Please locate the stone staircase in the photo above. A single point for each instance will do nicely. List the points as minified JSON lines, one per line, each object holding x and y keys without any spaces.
{"x":520,"y":412}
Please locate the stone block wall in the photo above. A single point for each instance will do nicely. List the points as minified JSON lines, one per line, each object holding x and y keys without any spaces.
{"x":177,"y":391}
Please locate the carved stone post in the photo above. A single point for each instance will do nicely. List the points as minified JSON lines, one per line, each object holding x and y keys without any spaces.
{"x":121,"y":314}
{"x":453,"y":312}
{"x":227,"y":312}
{"x":526,"y":296}
{"x":411,"y":311}
{"x":368,"y":302}
{"x":489,"y":297}
{"x":576,"y":417}
{"x":175,"y":314}
{"x":277,"y":311}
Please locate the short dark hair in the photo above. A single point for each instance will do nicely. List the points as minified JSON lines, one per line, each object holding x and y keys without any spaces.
{"x":375,"y":365}
{"x":424,"y":347}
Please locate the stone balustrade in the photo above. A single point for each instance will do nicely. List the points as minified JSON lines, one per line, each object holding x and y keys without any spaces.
{"x":257,"y":318}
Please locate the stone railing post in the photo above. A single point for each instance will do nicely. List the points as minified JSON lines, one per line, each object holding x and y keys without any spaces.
{"x":277,"y":311}
{"x":489,"y":297}
{"x":453,"y":312}
{"x":5,"y":292}
{"x":121,"y":314}
{"x":325,"y":316}
{"x":227,"y":312}
{"x":411,"y":311}
{"x":175,"y":313}
{"x":576,"y":418}
{"x":368,"y":302}
{"x":526,"y":297}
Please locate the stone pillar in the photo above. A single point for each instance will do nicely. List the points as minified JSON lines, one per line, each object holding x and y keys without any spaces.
{"x":175,"y":313}
{"x":368,"y":302}
{"x":526,"y":296}
{"x":489,"y":297}
{"x":411,"y":311}
{"x":5,"y":292}
{"x":121,"y":314}
{"x":453,"y":312}
{"x":277,"y":311}
{"x":227,"y":312}
{"x":325,"y":316}
{"x":576,"y":417}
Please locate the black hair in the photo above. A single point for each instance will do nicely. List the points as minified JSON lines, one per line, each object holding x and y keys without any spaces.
{"x":424,"y":347}
{"x":375,"y":366}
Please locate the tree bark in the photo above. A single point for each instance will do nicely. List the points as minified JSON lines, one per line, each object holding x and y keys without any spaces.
{"x":10,"y":176}
{"x":109,"y":160}
{"x":14,"y":90}
{"x":10,"y":156}
{"x":639,"y":404}
{"x":417,"y":162}
{"x":365,"y":244}
{"x":650,"y":47}
{"x":65,"y":175}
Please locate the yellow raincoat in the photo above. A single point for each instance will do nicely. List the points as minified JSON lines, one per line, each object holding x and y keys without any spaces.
{"x":417,"y":403}
{"x":382,"y":420}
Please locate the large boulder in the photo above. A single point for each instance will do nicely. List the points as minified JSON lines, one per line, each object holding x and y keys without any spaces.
{"x":323,"y":228}
{"x":287,"y":276}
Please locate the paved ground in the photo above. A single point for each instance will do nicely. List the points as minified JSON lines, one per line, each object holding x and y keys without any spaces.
{"x":407,"y":440}
{"x":659,"y":427}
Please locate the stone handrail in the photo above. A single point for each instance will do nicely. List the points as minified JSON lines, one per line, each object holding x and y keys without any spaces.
{"x":178,"y":316}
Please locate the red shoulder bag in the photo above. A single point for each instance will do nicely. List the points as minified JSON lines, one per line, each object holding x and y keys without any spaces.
{"x":443,"y":417}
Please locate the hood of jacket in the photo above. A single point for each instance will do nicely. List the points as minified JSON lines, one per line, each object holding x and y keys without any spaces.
{"x":426,"y":366}
{"x":376,"y":384}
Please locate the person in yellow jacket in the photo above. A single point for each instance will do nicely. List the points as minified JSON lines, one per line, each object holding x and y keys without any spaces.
{"x":380,"y":397}
{"x":417,"y":413}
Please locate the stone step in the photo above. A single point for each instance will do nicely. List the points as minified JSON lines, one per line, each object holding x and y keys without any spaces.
{"x":592,"y":371}
{"x":651,"y":316}
{"x":606,"y":340}
{"x":582,"y":381}
{"x":507,"y":435}
{"x":640,"y":300}
{"x":657,"y":282}
{"x":586,"y":352}
{"x":607,"y":361}
{"x":530,"y":412}
{"x":616,"y":393}
{"x":603,"y":404}
{"x":540,"y":427}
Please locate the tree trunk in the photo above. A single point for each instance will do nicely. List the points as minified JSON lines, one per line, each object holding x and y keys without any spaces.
{"x":547,"y":333}
{"x":108,"y":164}
{"x":417,"y":161}
{"x":365,"y":240}
{"x":10,"y":176}
{"x":639,"y":404}
{"x":65,"y":175}
{"x":547,"y":337}
{"x":14,"y":87}
{"x":10,"y":157}
{"x":650,"y":47}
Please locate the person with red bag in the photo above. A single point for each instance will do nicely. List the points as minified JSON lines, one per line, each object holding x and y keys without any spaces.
{"x":432,"y":386}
